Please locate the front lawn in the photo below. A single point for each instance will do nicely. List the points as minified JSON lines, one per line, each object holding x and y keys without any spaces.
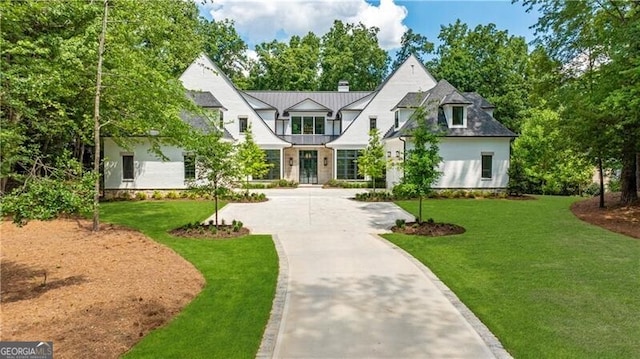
{"x":547,"y":284}
{"x":228,"y":318}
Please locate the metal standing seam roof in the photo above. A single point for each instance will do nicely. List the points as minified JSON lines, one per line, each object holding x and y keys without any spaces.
{"x":479,"y":122}
{"x":332,"y":100}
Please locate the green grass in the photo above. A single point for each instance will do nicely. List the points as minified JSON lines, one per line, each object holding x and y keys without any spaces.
{"x":547,"y":284}
{"x":227,"y":319}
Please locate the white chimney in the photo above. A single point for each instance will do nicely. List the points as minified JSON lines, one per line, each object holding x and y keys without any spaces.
{"x":343,"y":86}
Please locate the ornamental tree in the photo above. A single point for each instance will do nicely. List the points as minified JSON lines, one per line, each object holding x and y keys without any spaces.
{"x":422,"y":161}
{"x":371,"y":162}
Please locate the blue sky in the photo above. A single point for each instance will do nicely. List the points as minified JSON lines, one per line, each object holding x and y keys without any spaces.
{"x":263,"y":20}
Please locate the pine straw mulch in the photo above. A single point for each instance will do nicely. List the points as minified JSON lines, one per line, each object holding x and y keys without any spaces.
{"x":614,"y":217}
{"x":93,"y":294}
{"x":429,"y":229}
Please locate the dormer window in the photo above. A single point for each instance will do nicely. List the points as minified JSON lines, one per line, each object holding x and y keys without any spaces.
{"x":458,"y":116}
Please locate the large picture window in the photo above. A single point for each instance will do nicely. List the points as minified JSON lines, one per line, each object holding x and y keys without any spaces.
{"x":127,"y":167}
{"x":272,"y":157}
{"x":307,"y":125}
{"x":347,"y":165}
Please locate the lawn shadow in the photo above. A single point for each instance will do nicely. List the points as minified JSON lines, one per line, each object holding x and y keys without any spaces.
{"x":21,"y":282}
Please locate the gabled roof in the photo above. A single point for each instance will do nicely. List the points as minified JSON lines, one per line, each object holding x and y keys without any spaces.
{"x":412,"y":100}
{"x":455,"y":98}
{"x":204,"y":99}
{"x":300,"y":106}
{"x":332,"y":101}
{"x":479,"y":122}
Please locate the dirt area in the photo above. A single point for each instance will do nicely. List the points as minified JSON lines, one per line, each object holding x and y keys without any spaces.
{"x":429,"y":229}
{"x":614,"y":217}
{"x":93,"y":295}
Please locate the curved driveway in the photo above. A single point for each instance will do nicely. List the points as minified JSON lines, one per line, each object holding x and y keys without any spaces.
{"x":346,"y":293}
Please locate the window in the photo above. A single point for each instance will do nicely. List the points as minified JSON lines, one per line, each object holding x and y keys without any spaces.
{"x":242,"y":121}
{"x":396,"y":120}
{"x":189,"y":167}
{"x":221,"y":118}
{"x":307,"y":125}
{"x":487,"y":164}
{"x":347,"y":165}
{"x":127,"y":167}
{"x":372,"y":123}
{"x":458,"y":116}
{"x":272,"y":157}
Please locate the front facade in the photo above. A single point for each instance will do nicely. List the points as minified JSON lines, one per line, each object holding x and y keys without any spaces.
{"x":314,"y":137}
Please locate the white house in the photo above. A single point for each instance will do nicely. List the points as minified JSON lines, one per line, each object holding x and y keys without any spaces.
{"x":313,"y":137}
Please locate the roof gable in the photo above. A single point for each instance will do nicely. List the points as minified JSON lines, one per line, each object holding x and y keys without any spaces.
{"x":329,"y":101}
{"x":307,"y":105}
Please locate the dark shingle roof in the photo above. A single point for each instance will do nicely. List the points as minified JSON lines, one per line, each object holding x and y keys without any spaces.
{"x":202,"y":123}
{"x":479,"y":122}
{"x":204,"y":99}
{"x":411,"y":100}
{"x":455,"y":98}
{"x":332,"y":100}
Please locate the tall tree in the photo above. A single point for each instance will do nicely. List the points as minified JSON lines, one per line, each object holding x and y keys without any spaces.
{"x":422,"y":160}
{"x":49,"y":56}
{"x":371,"y":162}
{"x":252,"y":161}
{"x":412,"y":43}
{"x":292,"y":66}
{"x":351,"y":52}
{"x":610,"y":32}
{"x":488,"y":61}
{"x":226,"y":48}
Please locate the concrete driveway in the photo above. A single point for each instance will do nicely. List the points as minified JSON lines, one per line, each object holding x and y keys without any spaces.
{"x":344,"y":292}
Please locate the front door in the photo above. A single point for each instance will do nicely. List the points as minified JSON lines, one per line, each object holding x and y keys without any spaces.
{"x":308,"y":167}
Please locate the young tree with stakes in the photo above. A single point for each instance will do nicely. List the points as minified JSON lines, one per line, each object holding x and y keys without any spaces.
{"x":422,"y":161}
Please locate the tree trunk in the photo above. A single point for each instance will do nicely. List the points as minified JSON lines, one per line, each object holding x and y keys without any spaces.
{"x":96,"y":123}
{"x":601,"y":178}
{"x":420,"y":210}
{"x":628,"y":184}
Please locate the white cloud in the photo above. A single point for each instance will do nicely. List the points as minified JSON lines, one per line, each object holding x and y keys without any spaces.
{"x":263,"y":20}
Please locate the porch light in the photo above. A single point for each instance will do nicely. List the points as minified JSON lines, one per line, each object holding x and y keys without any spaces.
{"x":290,"y":161}
{"x":388,"y":154}
{"x":397,"y":154}
{"x":325,"y":161}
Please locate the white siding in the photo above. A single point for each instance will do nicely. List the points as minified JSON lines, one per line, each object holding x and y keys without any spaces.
{"x":394,"y":149}
{"x":461,"y":164}
{"x":203,"y":75}
{"x":410,"y":77}
{"x":150,"y":172}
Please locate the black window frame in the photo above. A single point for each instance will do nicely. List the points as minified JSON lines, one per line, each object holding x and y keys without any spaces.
{"x":373,"y":123}
{"x":128,"y":168}
{"x":273,"y":157}
{"x":459,"y":117}
{"x":243,"y":124}
{"x":347,"y":165}
{"x":189,"y":161}
{"x":396,"y":120}
{"x":486,"y":166}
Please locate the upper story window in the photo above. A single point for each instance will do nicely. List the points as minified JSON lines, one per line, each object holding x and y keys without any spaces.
{"x":458,"y":116}
{"x":373,"y":121}
{"x":307,"y":125}
{"x":396,"y":120}
{"x":221,"y":119}
{"x":243,"y":123}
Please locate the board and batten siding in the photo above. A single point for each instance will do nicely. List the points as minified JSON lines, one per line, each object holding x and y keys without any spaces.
{"x":149,"y":171}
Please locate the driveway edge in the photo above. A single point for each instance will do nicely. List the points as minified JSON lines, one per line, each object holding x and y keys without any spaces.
{"x":487,"y":336}
{"x":270,"y":336}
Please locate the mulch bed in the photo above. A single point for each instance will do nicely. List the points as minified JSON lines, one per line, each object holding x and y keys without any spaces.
{"x":206,"y":231}
{"x":614,"y":217}
{"x":429,"y":229}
